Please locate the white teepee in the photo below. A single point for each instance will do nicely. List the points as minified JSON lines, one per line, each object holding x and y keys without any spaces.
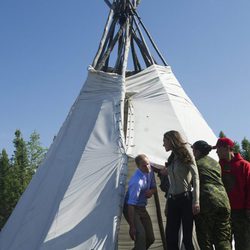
{"x":75,"y":199}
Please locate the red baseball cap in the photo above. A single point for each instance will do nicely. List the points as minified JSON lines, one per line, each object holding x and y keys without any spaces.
{"x":224,"y":142}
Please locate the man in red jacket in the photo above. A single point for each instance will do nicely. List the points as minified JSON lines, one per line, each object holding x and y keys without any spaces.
{"x":236,"y":179}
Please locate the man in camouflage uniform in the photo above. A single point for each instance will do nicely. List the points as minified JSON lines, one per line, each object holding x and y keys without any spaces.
{"x":236,"y":179}
{"x":213,"y":222}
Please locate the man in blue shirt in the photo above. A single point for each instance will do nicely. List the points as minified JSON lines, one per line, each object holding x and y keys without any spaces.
{"x":141,"y":186}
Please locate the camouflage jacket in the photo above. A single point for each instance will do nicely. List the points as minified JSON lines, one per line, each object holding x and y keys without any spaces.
{"x":212,"y":192}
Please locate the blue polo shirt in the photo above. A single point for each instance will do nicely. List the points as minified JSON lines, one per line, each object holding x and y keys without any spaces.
{"x":137,"y":186}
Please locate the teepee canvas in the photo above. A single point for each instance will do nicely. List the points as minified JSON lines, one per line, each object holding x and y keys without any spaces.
{"x":75,"y":199}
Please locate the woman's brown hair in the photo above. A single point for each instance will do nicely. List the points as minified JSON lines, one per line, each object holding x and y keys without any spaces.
{"x":178,"y":147}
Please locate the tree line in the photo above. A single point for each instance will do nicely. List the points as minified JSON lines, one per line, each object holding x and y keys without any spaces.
{"x":17,"y":171}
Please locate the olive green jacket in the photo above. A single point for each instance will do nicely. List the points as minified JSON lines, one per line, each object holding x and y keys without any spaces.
{"x":183,"y":178}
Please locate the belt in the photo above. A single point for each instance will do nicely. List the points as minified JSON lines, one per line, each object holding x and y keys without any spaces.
{"x":140,"y":207}
{"x":181,"y":195}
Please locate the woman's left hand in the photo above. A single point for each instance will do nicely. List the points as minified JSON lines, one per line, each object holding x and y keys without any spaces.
{"x":196,"y":209}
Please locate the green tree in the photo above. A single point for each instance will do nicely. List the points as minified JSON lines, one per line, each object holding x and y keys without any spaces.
{"x":36,"y":152}
{"x":15,"y":174}
{"x":20,"y":163}
{"x":4,"y":177}
{"x":245,"y":152}
{"x":10,"y":190}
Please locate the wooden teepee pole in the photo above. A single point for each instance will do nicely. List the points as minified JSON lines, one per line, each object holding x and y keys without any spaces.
{"x":159,"y":219}
{"x":104,"y":37}
{"x":127,"y":46}
{"x":150,"y":37}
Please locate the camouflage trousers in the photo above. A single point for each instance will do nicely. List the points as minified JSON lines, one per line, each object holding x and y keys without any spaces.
{"x":241,"y":229}
{"x":214,"y":228}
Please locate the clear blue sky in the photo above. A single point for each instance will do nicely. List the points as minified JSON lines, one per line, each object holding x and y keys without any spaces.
{"x":46,"y":47}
